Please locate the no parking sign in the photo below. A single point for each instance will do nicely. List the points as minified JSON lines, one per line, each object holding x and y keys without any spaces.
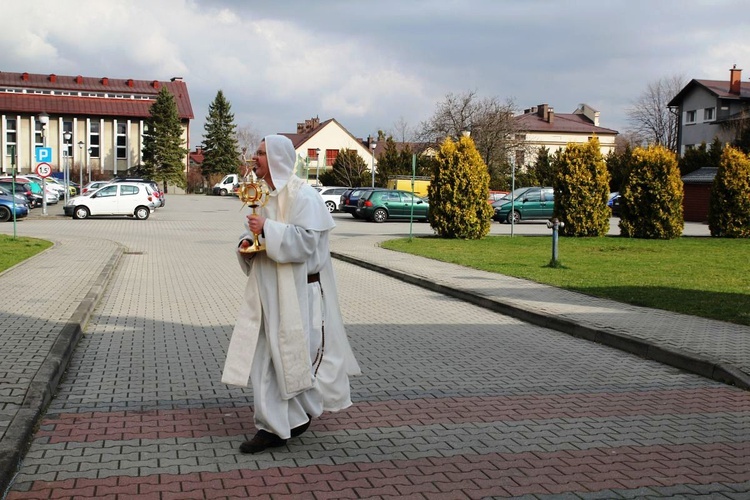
{"x":43,"y":170}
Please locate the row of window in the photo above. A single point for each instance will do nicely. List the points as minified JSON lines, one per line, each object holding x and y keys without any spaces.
{"x":76,"y":93}
{"x":121,"y":141}
{"x":331,"y":155}
{"x":709,"y":114}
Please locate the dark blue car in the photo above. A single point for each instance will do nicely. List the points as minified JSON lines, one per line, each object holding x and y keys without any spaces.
{"x":6,"y":209}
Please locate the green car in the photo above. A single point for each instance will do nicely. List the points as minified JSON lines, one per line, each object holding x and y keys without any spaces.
{"x":536,"y":203}
{"x":383,"y":204}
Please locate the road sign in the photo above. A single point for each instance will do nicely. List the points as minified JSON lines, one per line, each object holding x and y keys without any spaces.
{"x":43,"y":154}
{"x":43,"y":170}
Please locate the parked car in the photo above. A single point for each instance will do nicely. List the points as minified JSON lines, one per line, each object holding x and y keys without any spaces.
{"x":7,"y":205}
{"x":614,"y":203}
{"x":332,"y":196}
{"x":120,"y":198}
{"x":533,"y":203}
{"x":154,"y":187}
{"x":34,"y":200}
{"x":93,"y":186}
{"x":226,"y":185}
{"x":380,"y":205}
{"x":50,"y":183}
{"x":52,"y":193}
{"x":20,"y":197}
{"x":350,"y":199}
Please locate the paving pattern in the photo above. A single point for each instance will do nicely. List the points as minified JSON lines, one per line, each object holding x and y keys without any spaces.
{"x":455,"y":400}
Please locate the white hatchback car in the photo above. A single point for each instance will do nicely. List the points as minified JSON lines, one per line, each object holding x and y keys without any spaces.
{"x":123,"y":198}
{"x":332,"y":196}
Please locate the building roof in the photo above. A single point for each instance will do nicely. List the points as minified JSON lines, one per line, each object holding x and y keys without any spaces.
{"x":719,"y":88}
{"x":562,"y":123}
{"x":704,"y":175}
{"x":79,"y":95}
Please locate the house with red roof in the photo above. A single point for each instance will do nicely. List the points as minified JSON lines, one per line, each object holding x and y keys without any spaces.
{"x":95,"y":124}
{"x":318,"y":144}
{"x":707,"y":109}
{"x":542,"y":127}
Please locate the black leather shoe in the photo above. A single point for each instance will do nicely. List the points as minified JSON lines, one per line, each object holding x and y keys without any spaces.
{"x":302,"y":428}
{"x":261,"y":441}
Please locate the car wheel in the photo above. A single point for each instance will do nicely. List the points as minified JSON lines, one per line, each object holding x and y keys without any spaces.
{"x":331,"y":206}
{"x":514,"y":217}
{"x":80,"y":213}
{"x":5,"y":214}
{"x":380,"y":215}
{"x":223,"y":192}
{"x":142,"y":213}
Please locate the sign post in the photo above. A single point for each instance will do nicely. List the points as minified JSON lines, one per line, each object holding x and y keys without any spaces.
{"x":43,"y":155}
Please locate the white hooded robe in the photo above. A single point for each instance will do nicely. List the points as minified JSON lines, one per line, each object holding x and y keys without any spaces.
{"x":286,"y":324}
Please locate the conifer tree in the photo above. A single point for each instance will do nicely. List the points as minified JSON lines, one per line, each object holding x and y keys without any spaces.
{"x":163,"y":154}
{"x":652,"y":196}
{"x":581,"y":184}
{"x":458,"y":192}
{"x":220,"y":150}
{"x":729,"y":208}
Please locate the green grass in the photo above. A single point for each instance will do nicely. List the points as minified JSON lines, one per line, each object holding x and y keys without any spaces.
{"x":708,"y":277}
{"x":14,"y":251}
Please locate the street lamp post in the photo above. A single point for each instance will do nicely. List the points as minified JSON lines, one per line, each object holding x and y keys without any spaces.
{"x":88,"y":163}
{"x":372,"y":166}
{"x":80,"y":165}
{"x":317,"y":169}
{"x":44,"y":120}
{"x":67,"y":137}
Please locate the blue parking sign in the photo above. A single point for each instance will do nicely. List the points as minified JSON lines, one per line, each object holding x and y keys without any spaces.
{"x":43,"y":154}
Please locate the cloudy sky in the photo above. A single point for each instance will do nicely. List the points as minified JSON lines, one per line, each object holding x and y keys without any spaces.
{"x":373,"y":64}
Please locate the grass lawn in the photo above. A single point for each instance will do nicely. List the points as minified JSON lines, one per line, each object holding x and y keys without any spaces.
{"x":14,"y":251}
{"x":708,"y":277}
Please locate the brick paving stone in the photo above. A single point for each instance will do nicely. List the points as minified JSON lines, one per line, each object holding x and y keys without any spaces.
{"x":455,"y":401}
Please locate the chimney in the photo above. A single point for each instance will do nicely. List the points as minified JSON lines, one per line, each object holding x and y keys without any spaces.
{"x":551,"y":116}
{"x":735,"y":80}
{"x":25,"y":77}
{"x":155,"y":84}
{"x":541,"y":111}
{"x":105,"y":81}
{"x":130,"y":83}
{"x":79,"y":79}
{"x":53,"y":78}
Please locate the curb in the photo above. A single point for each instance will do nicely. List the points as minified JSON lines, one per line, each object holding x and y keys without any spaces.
{"x":690,"y":362}
{"x":42,"y":388}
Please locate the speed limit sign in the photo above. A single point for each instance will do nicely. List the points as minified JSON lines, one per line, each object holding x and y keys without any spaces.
{"x":43,"y":170}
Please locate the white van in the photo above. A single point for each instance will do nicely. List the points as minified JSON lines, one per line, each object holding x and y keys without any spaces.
{"x":226,"y":185}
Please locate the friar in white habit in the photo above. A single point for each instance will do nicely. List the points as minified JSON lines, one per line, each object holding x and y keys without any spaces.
{"x":289,"y":339}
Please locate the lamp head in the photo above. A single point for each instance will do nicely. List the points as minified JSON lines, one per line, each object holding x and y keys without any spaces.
{"x":43,"y":118}
{"x":67,"y":136}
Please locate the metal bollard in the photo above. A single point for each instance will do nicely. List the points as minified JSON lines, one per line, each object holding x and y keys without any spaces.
{"x":555,"y":225}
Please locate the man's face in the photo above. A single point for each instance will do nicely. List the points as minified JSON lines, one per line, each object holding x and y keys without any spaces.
{"x":260,"y":160}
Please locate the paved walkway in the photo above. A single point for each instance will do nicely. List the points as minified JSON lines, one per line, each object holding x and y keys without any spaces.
{"x":119,"y":425}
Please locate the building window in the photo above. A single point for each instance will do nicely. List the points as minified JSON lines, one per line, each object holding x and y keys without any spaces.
{"x":122,"y":141}
{"x":38,"y":134}
{"x":68,"y":148}
{"x":708,"y":114}
{"x":331,"y":155}
{"x":311,"y":153}
{"x":10,"y":137}
{"x":94,"y":140}
{"x":690,"y":116}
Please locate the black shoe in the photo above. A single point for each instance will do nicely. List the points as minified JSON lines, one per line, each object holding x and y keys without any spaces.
{"x":261,"y":441}
{"x":302,"y":428}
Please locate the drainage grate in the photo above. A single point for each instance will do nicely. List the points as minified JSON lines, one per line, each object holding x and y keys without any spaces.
{"x":132,"y":253}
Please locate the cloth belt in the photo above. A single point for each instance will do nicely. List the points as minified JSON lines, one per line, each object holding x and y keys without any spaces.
{"x":313,"y":278}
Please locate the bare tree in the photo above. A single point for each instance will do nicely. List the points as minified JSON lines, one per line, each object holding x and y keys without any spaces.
{"x":402,"y":132}
{"x":490,"y":122}
{"x":247,"y":139}
{"x":650,"y":116}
